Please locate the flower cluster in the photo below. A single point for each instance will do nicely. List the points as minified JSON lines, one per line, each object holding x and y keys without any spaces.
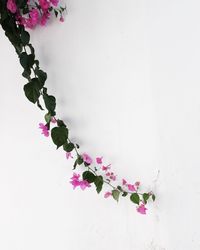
{"x":76,"y":182}
{"x":15,"y":17}
{"x":99,"y":173}
{"x":35,"y":12}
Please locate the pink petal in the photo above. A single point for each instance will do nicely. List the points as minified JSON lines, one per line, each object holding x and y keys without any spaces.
{"x":131,"y":187}
{"x":99,"y":160}
{"x":107,"y":194}
{"x":141,"y":209}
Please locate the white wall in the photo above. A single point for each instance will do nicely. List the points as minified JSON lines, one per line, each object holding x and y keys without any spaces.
{"x":126,"y":75}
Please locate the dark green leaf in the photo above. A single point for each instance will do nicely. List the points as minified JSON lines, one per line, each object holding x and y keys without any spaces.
{"x":145,"y":197}
{"x":89,"y":176}
{"x":32,"y":91}
{"x":79,"y":160}
{"x":68,"y":147}
{"x":39,"y":105}
{"x":50,"y":103}
{"x":153,"y":197}
{"x":27,"y":74}
{"x":25,"y":37}
{"x":119,"y":188}
{"x":26,"y":60}
{"x":124,"y":194}
{"x":60,"y":123}
{"x":135,"y":198}
{"x":41,"y":75}
{"x":59,"y":135}
{"x":98,"y":183}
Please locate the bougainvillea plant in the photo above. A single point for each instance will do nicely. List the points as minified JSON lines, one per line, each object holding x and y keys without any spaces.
{"x":16,"y":16}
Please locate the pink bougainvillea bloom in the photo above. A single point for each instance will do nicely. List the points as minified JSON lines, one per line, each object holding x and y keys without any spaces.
{"x":44,"y":4}
{"x":75,"y":180}
{"x":141,"y":209}
{"x":79,"y":183}
{"x":99,"y":160}
{"x":112,"y":176}
{"x":84,"y":184}
{"x":62,"y":19}
{"x":68,"y":155}
{"x":34,"y":14}
{"x":44,"y":18}
{"x":124,"y":182}
{"x":33,"y":20}
{"x":54,"y":2}
{"x":108,"y":174}
{"x":105,"y":168}
{"x":11,"y":6}
{"x":131,"y":187}
{"x":44,"y":128}
{"x":107,"y":194}
{"x":87,"y":159}
{"x":137,"y":184}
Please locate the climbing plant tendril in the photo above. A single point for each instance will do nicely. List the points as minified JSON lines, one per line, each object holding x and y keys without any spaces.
{"x":16,"y":16}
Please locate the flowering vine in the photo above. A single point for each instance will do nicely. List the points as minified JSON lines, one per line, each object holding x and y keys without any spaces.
{"x":15,"y":17}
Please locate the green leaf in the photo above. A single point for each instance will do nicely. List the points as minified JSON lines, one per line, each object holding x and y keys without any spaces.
{"x":124,"y":194}
{"x":98,"y":183}
{"x":41,"y":75}
{"x":119,"y":188}
{"x":75,"y":164}
{"x":145,"y":197}
{"x":26,"y":60}
{"x":60,"y":123}
{"x":153,"y":197}
{"x":115,"y":194}
{"x":50,"y":103}
{"x":27,"y":74}
{"x":32,"y":91}
{"x":47,"y":118}
{"x":59,"y":135}
{"x":68,"y":147}
{"x":89,"y":176}
{"x":79,"y":160}
{"x":39,"y":105}
{"x":135,"y":198}
{"x":25,"y":37}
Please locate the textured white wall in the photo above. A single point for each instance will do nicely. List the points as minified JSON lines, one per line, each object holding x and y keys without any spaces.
{"x":126,"y":77}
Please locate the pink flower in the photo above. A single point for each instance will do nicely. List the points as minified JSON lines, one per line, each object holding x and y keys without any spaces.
{"x":79,"y":183}
{"x":54,"y":2}
{"x":141,"y":209}
{"x":105,"y":168}
{"x":62,"y":19}
{"x":33,"y":20}
{"x":137,"y":184}
{"x":124,"y":182}
{"x":44,"y":17}
{"x":68,"y":155}
{"x":83,"y":184}
{"x":75,"y":180}
{"x":99,"y":160}
{"x":44,"y":128}
{"x":107,"y":194}
{"x":131,"y":187}
{"x":11,"y":6}
{"x":44,"y":4}
{"x":112,"y":176}
{"x":87,"y":159}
